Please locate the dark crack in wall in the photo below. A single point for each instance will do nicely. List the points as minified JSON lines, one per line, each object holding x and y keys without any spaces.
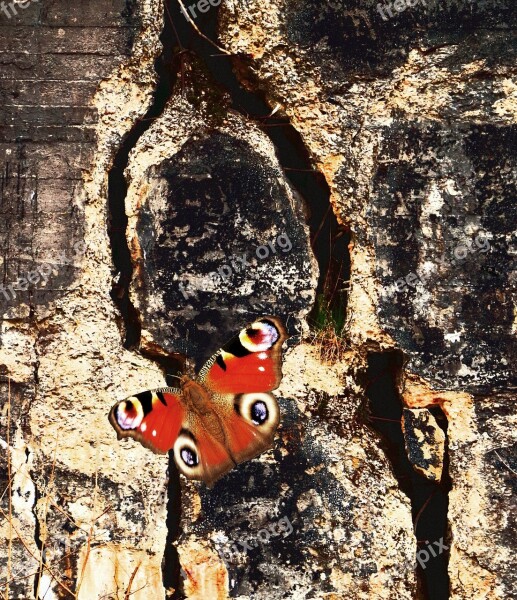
{"x":329,"y":239}
{"x":429,"y":499}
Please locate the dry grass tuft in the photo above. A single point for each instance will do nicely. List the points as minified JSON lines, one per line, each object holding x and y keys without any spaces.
{"x":331,"y":345}
{"x":328,"y":326}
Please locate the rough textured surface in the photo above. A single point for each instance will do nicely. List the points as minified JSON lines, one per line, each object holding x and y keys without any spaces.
{"x":216,"y":232}
{"x":311,"y":478}
{"x":341,"y":541}
{"x":443,"y":222}
{"x":482,"y":446}
{"x":425,"y":442}
{"x":411,"y":120}
{"x":74,"y":494}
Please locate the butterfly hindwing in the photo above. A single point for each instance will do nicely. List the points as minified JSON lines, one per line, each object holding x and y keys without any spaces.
{"x":244,"y":427}
{"x":251,"y":428}
{"x":200,"y":455}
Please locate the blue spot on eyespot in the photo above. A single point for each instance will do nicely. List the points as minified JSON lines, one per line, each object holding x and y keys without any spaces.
{"x":259,"y":413}
{"x":189,"y":457}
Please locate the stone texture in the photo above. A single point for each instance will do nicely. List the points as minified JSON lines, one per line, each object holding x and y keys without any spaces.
{"x":50,"y":69}
{"x":226,"y":182}
{"x":425,"y":442}
{"x":411,"y":120}
{"x":444,"y":254}
{"x":329,"y":481}
{"x":74,"y":497}
{"x":216,"y":232}
{"x":482,"y":442}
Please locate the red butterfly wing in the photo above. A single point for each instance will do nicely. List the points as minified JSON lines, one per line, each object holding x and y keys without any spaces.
{"x":154,"y":418}
{"x":239,"y":377}
{"x":250,"y":362}
{"x":158,"y":420}
{"x":250,"y":429}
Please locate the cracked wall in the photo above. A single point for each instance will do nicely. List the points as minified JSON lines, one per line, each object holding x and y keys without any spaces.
{"x":411,"y":122}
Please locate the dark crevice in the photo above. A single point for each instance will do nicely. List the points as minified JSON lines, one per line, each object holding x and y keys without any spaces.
{"x":172,"y":579}
{"x":37,"y":534}
{"x":429,"y":500}
{"x":167,"y":67}
{"x":329,"y":239}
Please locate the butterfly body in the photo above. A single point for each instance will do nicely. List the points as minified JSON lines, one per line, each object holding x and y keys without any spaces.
{"x":219,"y":419}
{"x":197,"y":400}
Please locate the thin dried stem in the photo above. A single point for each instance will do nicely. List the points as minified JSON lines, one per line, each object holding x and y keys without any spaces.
{"x":10,"y":488}
{"x":505,"y":464}
{"x":131,"y":579}
{"x":45,"y":567}
{"x":331,"y":346}
{"x":88,"y":550}
{"x":45,"y":513}
{"x":10,"y":481}
{"x":189,"y":19}
{"x":424,"y":506}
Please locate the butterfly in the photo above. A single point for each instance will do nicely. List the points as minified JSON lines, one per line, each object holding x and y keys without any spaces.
{"x":222,"y":417}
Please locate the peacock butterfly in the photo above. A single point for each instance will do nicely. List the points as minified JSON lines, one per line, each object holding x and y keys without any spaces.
{"x":222,"y":417}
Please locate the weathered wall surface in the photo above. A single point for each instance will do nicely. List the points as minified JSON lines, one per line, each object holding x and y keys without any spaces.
{"x":217,"y":234}
{"x":411,"y":118}
{"x":349,"y":530}
{"x":73,"y":80}
{"x":220,"y":192}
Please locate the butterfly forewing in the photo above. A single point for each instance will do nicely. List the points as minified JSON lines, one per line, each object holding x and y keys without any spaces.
{"x":154,"y":418}
{"x":250,"y":362}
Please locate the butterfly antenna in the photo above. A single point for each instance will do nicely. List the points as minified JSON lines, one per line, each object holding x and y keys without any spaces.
{"x":167,"y":375}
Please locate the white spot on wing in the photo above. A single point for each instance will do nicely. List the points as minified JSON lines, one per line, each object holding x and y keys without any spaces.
{"x":143,"y":427}
{"x":154,"y":432}
{"x":261,"y":369}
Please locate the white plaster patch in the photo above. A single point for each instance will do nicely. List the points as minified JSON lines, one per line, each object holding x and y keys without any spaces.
{"x":452,"y":337}
{"x":45,"y":588}
{"x":24,"y":490}
{"x":432,"y":205}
